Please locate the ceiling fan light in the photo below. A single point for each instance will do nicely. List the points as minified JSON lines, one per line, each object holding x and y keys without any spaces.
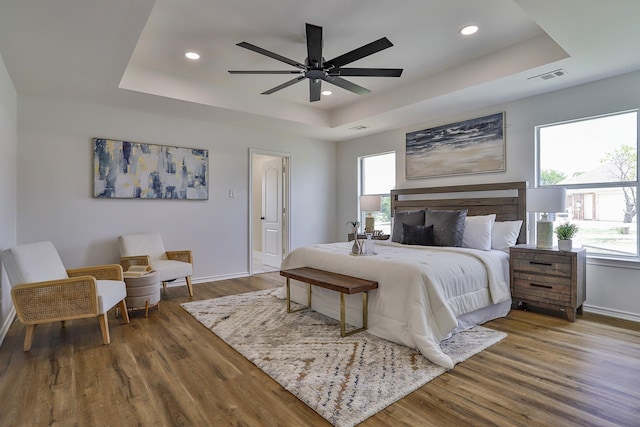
{"x":469,"y":30}
{"x":194,"y":56}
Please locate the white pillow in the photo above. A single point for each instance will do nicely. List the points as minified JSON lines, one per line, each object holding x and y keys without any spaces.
{"x":477,"y":232}
{"x":505,"y":234}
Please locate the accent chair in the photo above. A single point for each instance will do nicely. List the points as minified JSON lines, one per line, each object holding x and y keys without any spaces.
{"x":43,"y":291}
{"x":148,"y":249}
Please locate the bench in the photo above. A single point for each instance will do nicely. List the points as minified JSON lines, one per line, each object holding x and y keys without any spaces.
{"x":335,"y":282}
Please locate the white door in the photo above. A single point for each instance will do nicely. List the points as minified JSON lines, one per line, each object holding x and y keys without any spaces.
{"x":272,"y":212}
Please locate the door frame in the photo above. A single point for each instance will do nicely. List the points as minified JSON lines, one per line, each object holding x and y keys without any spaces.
{"x":286,"y":202}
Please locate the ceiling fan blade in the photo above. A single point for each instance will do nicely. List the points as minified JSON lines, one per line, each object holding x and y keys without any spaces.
{"x":283,"y":85}
{"x":314,"y":45}
{"x":366,"y":72}
{"x":345,"y":84}
{"x":314,"y":89}
{"x":271,"y":55}
{"x":264,"y":72}
{"x":359,"y":53}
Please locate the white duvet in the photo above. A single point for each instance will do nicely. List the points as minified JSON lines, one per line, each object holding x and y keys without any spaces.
{"x":421,"y":290}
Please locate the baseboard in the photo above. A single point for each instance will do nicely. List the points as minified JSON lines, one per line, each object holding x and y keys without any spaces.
{"x":7,"y":324}
{"x":208,"y":279}
{"x":612,"y":313}
{"x":222,"y":277}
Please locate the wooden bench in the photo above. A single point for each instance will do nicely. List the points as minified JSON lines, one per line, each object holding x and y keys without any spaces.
{"x":335,"y":282}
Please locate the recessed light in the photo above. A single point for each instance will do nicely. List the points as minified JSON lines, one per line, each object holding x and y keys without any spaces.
{"x":468,"y":30}
{"x":326,"y":92}
{"x":194,"y":56}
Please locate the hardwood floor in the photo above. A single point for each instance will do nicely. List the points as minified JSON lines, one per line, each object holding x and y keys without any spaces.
{"x":169,"y":370}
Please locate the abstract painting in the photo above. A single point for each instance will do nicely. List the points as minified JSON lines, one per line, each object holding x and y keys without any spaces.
{"x":131,"y":170}
{"x":467,"y":147}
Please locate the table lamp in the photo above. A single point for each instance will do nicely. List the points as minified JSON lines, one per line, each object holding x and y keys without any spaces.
{"x":545,"y":201}
{"x":370,"y":204}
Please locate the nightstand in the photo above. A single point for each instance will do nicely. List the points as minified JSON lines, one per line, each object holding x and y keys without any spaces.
{"x":548,"y":278}
{"x":364,"y":237}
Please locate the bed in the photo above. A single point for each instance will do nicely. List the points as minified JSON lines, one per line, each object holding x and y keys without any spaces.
{"x":427,"y":293}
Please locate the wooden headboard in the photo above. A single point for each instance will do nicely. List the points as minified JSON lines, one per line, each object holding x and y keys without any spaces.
{"x":505,"y":199}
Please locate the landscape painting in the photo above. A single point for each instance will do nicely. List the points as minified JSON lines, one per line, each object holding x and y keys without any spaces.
{"x":131,"y":170}
{"x":467,"y":147}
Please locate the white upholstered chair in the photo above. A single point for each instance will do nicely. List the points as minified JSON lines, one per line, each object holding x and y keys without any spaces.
{"x":148,"y":249}
{"x":43,"y":291}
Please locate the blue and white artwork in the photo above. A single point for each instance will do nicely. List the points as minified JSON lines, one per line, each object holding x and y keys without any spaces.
{"x":468,"y":147}
{"x":131,"y":170}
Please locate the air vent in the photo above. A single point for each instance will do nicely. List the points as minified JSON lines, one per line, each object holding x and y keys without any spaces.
{"x":359,"y":127}
{"x":550,"y":75}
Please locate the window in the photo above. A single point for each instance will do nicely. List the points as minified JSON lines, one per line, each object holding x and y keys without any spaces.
{"x":378,"y":177}
{"x":596,"y":160}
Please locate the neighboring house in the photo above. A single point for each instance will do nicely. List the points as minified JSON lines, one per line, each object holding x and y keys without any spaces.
{"x":598,"y":205}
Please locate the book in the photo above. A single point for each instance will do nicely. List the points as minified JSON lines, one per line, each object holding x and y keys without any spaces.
{"x":137,"y":270}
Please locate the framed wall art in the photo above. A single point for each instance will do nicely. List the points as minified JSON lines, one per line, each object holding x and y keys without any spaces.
{"x":467,"y":147}
{"x":132,"y":170}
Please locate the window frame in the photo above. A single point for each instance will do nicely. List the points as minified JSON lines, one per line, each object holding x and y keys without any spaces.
{"x":361,"y":181}
{"x":598,"y":185}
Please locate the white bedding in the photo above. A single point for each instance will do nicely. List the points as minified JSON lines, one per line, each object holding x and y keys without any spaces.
{"x":421,"y":290}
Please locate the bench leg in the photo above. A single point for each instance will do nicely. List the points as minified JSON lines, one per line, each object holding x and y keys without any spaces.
{"x":342,"y":317}
{"x":365,"y":313}
{"x":365,"y":309}
{"x":308,"y":307}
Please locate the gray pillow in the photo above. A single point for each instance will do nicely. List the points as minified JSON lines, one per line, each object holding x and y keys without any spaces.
{"x":417,"y":235}
{"x":448,"y":226}
{"x":405,"y":217}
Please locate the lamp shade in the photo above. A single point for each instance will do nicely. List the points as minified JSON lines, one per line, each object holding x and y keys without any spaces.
{"x":547,"y":200}
{"x":370,"y":203}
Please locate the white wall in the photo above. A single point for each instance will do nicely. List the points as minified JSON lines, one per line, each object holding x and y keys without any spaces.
{"x":8,"y":190}
{"x":55,"y":178}
{"x":256,"y":206}
{"x":610,"y":290}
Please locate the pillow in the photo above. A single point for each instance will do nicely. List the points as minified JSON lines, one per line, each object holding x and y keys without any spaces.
{"x":448,"y":226}
{"x":417,"y":235}
{"x":505,"y":234}
{"x":477,"y":232}
{"x":405,"y":217}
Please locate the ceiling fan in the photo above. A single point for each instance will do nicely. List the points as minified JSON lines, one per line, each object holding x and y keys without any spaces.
{"x":316,"y":69}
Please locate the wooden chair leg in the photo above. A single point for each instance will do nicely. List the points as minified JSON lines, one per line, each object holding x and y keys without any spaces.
{"x":123,"y":306}
{"x":189,"y":287}
{"x":28,"y":337}
{"x":104,"y":327}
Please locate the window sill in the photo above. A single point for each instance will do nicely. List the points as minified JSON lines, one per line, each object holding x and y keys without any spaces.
{"x":632,"y":263}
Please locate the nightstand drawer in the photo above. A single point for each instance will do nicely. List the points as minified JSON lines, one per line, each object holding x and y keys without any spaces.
{"x":543,"y":264}
{"x":541,"y":288}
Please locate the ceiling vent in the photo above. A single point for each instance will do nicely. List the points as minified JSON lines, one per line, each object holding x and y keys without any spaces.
{"x":359,"y":127}
{"x":550,"y":75}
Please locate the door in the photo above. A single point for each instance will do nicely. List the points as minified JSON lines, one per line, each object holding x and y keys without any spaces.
{"x":272,"y":212}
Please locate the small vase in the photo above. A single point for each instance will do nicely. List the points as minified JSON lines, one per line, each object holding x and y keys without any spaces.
{"x":565,"y":245}
{"x":368,"y":245}
{"x":355,"y":249}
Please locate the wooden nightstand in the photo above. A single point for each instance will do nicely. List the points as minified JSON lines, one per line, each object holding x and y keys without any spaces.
{"x":548,"y":278}
{"x":364,"y":237}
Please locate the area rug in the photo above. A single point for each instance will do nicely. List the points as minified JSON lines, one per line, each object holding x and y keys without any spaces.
{"x":345,"y":380}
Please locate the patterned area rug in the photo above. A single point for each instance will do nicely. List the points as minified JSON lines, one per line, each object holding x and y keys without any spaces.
{"x":346,"y":380}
